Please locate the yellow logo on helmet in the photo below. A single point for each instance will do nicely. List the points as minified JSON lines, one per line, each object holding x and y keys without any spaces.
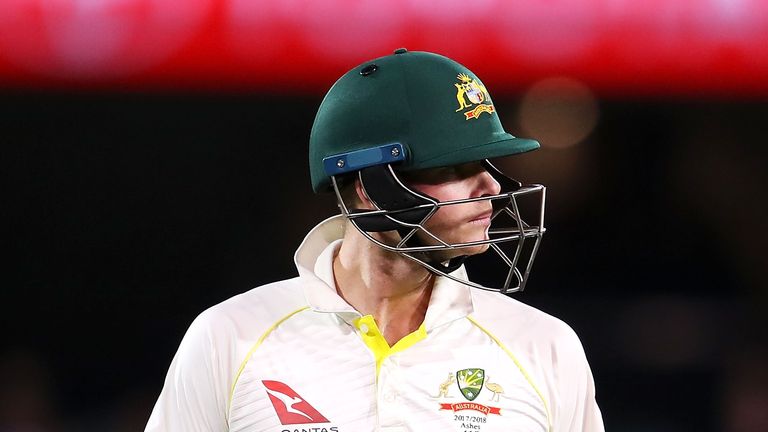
{"x":471,"y":94}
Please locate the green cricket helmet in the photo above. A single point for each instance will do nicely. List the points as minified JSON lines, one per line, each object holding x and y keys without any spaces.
{"x":412,"y":111}
{"x":436,"y":109}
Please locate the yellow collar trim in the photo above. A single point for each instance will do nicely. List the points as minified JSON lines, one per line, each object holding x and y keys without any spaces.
{"x":374,"y":340}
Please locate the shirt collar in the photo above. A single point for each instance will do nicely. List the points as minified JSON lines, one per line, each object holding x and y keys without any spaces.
{"x":450,"y":300}
{"x":314,"y":260}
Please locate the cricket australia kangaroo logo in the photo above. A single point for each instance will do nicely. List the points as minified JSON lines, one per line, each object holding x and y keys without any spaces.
{"x":472,"y":97}
{"x":470,"y":383}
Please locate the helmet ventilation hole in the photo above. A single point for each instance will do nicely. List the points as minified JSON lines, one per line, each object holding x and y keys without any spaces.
{"x":371,"y":68}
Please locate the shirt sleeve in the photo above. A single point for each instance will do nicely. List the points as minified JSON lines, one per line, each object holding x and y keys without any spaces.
{"x":195,"y":393}
{"x":578,"y":410}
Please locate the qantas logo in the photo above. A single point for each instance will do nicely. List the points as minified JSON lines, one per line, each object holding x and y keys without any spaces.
{"x":290,"y":407}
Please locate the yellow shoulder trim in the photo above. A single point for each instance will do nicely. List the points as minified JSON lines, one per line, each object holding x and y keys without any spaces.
{"x":519,"y":366}
{"x":250,"y":353}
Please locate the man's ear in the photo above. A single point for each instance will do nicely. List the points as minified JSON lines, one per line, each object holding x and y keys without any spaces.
{"x":362,"y":197}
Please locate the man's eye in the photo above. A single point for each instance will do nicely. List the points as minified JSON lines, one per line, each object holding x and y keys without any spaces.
{"x":445,"y":171}
{"x":437,"y":175}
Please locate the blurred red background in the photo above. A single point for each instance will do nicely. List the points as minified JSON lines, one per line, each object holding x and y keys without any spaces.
{"x":154,"y":152}
{"x":657,"y":47}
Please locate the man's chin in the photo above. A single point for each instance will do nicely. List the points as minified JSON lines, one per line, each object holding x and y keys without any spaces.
{"x":468,"y":251}
{"x":476,"y":250}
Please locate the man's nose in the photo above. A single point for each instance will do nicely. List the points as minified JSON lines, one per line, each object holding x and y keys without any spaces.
{"x":488,"y":184}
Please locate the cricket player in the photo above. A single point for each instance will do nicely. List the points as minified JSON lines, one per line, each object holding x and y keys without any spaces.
{"x":382,"y":329}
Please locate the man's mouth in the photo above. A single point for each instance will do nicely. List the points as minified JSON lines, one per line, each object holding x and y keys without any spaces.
{"x":483,"y":218}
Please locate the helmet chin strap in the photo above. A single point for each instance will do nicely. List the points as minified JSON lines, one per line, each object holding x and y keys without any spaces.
{"x":388,"y":193}
{"x":434,"y":265}
{"x":451,"y":266}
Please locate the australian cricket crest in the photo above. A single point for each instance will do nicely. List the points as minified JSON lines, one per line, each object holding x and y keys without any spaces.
{"x":470,"y":382}
{"x":472,"y":96}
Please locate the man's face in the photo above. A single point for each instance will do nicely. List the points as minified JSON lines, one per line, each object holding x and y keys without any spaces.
{"x":458,"y":223}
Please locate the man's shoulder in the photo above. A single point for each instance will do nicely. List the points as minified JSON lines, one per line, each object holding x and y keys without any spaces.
{"x":245,"y":316}
{"x":549,"y":352}
{"x":262,"y":303}
{"x":513,"y":320}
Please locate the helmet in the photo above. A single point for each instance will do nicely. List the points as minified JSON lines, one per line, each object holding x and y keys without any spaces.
{"x":411,"y":111}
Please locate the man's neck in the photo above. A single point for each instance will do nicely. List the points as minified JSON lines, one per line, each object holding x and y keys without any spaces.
{"x":391,"y":288}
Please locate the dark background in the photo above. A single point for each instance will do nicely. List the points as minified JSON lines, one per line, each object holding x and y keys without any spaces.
{"x":126,"y":215}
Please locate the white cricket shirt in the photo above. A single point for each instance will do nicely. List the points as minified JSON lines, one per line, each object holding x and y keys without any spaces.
{"x":293,"y":356}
